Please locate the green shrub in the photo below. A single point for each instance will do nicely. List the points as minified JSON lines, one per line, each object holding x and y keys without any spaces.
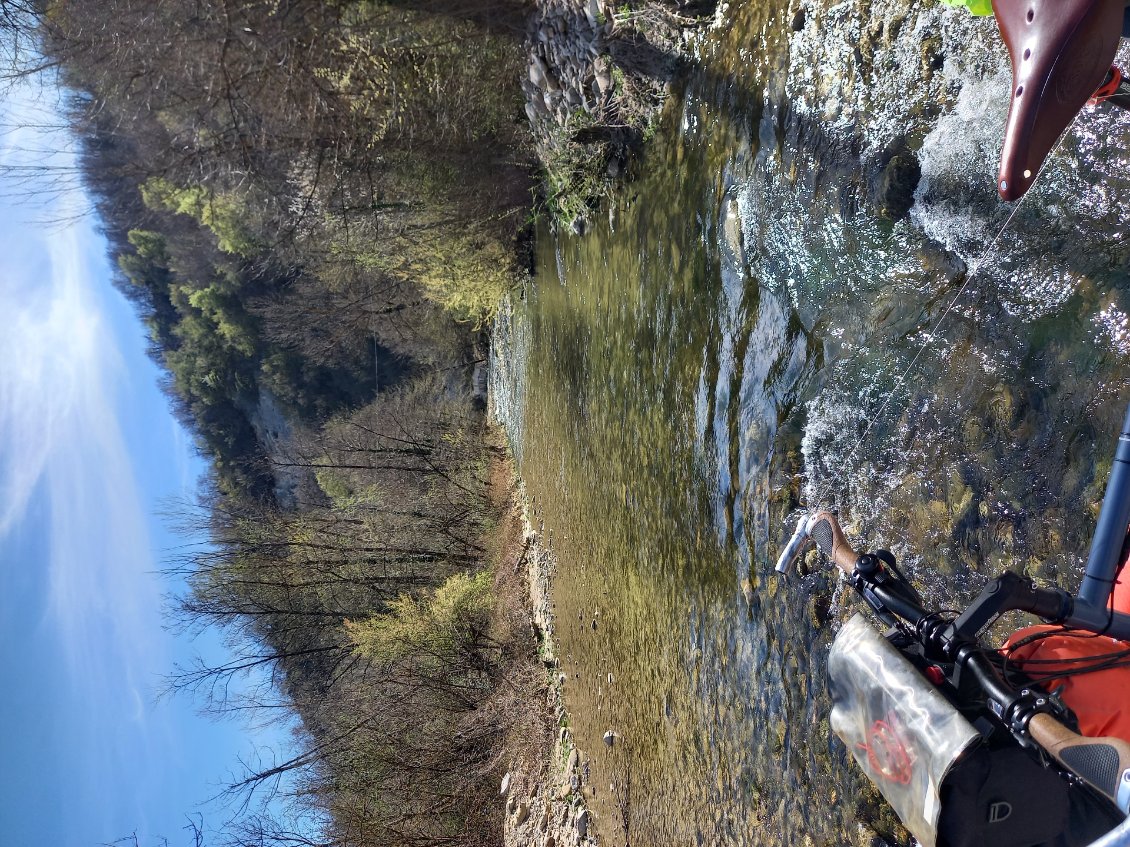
{"x":435,"y":630}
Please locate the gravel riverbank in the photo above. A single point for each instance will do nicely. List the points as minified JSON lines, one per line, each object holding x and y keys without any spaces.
{"x":545,"y":806}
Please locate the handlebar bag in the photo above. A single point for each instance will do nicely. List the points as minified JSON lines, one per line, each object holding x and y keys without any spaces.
{"x":904,"y":735}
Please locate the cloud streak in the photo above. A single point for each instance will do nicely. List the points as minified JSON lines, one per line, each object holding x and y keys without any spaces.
{"x":62,"y":446}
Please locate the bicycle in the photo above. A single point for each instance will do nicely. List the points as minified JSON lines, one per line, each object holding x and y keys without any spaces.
{"x":967,"y":749}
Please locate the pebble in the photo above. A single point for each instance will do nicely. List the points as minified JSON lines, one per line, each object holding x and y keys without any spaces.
{"x":582,"y":822}
{"x":537,"y":72}
{"x":609,"y":738}
{"x":523,"y":814}
{"x":505,"y":785}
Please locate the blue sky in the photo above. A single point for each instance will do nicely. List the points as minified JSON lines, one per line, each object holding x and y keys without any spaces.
{"x":89,"y":454}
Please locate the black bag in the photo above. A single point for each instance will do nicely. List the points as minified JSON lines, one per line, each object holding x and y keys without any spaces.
{"x":1007,"y":798}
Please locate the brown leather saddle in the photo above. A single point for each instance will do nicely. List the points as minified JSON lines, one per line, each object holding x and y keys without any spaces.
{"x":1061,"y":51}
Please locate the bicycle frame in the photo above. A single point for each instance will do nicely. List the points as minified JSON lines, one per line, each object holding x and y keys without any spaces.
{"x":1090,"y":607}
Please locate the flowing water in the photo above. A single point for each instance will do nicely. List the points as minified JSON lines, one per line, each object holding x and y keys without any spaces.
{"x":726,"y":344}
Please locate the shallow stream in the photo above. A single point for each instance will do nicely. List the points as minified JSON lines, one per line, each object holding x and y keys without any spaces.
{"x":727,"y":343}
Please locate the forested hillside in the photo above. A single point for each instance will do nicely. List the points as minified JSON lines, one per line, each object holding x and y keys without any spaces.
{"x":297,"y":191}
{"x":314,"y":206}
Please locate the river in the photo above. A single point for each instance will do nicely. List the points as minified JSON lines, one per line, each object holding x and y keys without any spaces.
{"x":728,"y":342}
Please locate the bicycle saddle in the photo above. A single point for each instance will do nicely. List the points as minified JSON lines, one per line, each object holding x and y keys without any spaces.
{"x":1061,"y":51}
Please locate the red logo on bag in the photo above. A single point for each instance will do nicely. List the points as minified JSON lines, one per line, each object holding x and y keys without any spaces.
{"x":886,"y":753}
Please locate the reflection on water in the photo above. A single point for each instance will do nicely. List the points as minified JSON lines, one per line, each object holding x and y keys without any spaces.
{"x":730,"y":344}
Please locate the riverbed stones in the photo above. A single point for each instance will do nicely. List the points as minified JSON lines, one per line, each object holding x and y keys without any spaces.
{"x":609,"y":738}
{"x":522,"y":815}
{"x":505,"y":787}
{"x":607,"y":70}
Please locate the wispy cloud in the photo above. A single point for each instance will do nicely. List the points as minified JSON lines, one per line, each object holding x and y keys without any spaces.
{"x":62,"y":446}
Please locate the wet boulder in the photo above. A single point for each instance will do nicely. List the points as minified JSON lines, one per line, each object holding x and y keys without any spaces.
{"x":891,"y":188}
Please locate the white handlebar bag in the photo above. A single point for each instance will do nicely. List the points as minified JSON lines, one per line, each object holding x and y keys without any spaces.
{"x":903,"y":734}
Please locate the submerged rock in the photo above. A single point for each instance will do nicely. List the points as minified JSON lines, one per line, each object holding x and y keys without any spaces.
{"x":892,"y":189}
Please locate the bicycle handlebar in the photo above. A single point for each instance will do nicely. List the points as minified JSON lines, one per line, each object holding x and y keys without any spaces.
{"x":1103,"y":763}
{"x":825,"y":530}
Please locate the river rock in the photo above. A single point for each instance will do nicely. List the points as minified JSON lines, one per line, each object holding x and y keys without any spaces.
{"x":592,"y":12}
{"x":892,"y":189}
{"x":581,"y":822}
{"x":539,"y":74}
{"x":610,"y":738}
{"x":574,"y":759}
{"x":505,"y":787}
{"x":604,"y":80}
{"x":522,"y":815}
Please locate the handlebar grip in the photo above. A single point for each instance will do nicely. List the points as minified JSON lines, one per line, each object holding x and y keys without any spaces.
{"x":825,"y":531}
{"x":1104,"y":763}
